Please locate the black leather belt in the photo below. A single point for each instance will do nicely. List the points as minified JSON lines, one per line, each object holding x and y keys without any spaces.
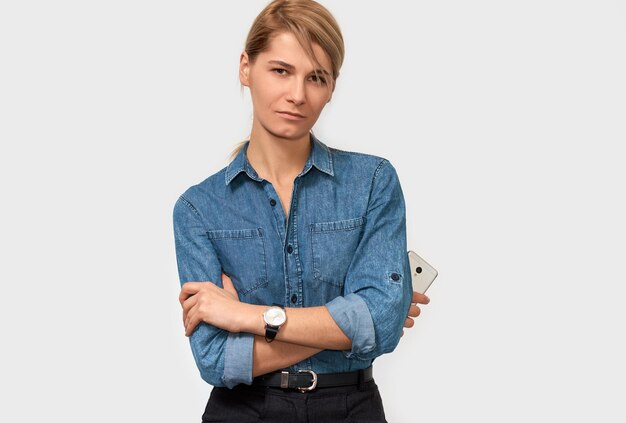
{"x":307,"y":380}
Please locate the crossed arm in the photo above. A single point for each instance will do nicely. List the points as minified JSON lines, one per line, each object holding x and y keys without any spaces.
{"x":306,"y":332}
{"x":364,"y":321}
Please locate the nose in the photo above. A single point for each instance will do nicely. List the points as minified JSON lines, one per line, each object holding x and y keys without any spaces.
{"x":296,"y":93}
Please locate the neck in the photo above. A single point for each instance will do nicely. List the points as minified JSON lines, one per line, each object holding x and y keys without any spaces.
{"x":278,"y":160}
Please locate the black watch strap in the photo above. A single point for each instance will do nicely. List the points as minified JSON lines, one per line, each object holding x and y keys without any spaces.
{"x":272,"y":331}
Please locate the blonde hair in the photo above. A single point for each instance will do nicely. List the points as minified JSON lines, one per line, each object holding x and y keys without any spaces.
{"x":309,"y":22}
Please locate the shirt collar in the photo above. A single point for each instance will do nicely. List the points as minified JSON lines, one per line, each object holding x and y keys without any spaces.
{"x":320,"y":157}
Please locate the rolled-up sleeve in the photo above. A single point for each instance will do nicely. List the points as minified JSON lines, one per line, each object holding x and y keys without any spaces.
{"x":223,"y":358}
{"x":377,"y":288}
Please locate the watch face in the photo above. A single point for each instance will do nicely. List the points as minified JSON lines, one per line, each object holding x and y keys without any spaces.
{"x":275,"y":316}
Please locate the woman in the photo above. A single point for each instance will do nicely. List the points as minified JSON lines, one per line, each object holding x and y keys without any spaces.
{"x":312,"y":238}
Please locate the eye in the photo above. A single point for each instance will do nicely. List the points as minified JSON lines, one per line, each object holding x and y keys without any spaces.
{"x":319,"y":79}
{"x":279,"y":70}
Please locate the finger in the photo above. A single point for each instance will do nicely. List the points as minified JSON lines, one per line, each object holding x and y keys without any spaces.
{"x":420,"y":298}
{"x":414,"y":311}
{"x":408,"y":322}
{"x":192,"y":322}
{"x":228,"y":285}
{"x":192,"y":288}
{"x":185,"y":321}
{"x":187,"y":290}
{"x":182,"y":297}
{"x":188,"y":305}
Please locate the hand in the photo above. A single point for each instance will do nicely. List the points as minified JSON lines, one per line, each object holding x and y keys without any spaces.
{"x":414,"y":310}
{"x":206,"y":302}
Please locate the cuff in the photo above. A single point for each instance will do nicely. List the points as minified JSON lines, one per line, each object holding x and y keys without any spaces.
{"x":353,"y":317}
{"x":238,"y":359}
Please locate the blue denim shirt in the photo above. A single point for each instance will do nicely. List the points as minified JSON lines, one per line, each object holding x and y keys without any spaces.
{"x":343,"y":245}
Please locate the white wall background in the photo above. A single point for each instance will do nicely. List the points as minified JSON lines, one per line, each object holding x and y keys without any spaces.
{"x":505,"y":120}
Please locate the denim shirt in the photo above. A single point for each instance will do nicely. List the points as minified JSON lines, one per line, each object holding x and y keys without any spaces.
{"x":343,"y":245}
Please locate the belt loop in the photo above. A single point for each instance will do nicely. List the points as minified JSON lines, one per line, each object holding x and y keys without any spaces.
{"x":361,"y":380}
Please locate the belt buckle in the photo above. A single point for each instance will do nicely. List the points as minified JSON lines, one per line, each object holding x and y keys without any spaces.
{"x":313,"y":383}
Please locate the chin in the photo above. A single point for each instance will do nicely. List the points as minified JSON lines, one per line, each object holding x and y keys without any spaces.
{"x":281,"y":131}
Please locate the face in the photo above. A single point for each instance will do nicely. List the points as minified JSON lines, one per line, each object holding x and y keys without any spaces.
{"x":282,"y":81}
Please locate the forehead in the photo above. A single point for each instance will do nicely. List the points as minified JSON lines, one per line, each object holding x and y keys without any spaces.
{"x":285,"y":47}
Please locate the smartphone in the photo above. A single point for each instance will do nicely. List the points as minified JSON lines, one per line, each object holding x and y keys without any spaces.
{"x":422,"y":273}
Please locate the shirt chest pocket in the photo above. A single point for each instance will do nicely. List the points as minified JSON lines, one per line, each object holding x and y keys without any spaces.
{"x":333,"y":245}
{"x":241,"y":252}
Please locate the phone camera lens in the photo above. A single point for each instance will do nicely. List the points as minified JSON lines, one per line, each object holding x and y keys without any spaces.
{"x":418,"y":270}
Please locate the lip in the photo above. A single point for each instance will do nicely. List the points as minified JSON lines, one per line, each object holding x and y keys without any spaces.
{"x":291,"y":116}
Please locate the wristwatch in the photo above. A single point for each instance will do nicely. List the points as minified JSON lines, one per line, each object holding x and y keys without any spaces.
{"x":274,"y":317}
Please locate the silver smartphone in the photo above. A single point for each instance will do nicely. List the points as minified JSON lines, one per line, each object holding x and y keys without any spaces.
{"x":422,"y":273}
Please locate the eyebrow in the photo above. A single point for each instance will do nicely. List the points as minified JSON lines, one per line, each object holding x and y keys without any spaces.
{"x":291,"y":67}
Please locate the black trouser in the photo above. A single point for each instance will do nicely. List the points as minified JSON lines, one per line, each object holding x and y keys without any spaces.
{"x":247,"y":404}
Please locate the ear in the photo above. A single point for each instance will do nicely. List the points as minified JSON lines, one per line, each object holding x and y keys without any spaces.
{"x":244,"y":69}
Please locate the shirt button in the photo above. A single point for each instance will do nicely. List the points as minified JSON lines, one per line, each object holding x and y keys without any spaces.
{"x":395,"y":276}
{"x":272,"y":202}
{"x":289,"y":249}
{"x":294,"y":298}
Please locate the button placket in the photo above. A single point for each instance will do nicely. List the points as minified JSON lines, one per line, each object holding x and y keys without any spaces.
{"x":292,"y":259}
{"x":287,"y":228}
{"x":278,"y":212}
